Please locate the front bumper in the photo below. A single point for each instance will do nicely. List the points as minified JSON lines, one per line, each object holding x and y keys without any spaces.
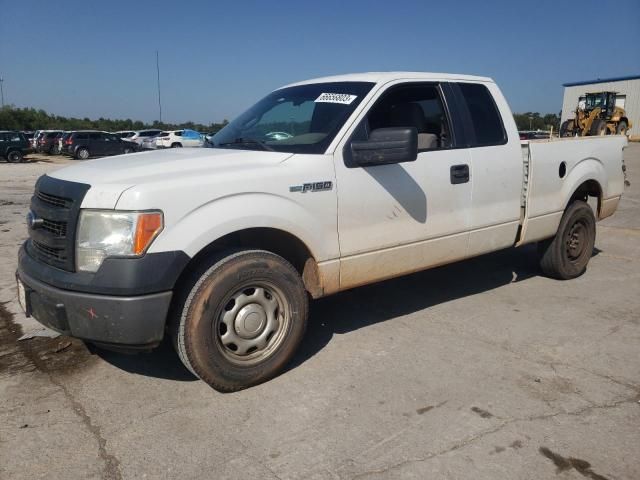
{"x":131,"y":321}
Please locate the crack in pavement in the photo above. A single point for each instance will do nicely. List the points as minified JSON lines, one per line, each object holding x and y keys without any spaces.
{"x":111,"y":463}
{"x":473,"y":438}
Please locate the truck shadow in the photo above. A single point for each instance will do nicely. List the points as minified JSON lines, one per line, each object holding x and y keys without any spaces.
{"x":365,"y":306}
{"x":368,"y":305}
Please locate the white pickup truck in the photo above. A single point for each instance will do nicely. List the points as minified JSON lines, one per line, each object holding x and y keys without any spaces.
{"x":321,"y":186}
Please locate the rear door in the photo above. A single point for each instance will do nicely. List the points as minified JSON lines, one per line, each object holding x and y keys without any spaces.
{"x":497,"y":166}
{"x":96,"y":143}
{"x":112,"y":144}
{"x":394,"y":219}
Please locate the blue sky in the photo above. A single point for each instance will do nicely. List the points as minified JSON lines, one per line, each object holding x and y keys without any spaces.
{"x":82,"y":58}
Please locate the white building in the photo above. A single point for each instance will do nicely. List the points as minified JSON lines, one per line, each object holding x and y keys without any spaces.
{"x":628,"y":97}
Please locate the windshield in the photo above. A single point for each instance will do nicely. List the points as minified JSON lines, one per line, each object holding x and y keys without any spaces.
{"x":300,"y":119}
{"x":594,"y":101}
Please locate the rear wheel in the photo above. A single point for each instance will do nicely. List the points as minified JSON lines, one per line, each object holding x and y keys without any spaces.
{"x":240,"y":319}
{"x":82,"y":154}
{"x":566,"y":129}
{"x":621,"y":129}
{"x":566,"y":255}
{"x":598,"y":127}
{"x":176,"y":145}
{"x":15,"y":156}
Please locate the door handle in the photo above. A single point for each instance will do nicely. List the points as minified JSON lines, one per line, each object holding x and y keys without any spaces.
{"x":459,"y":174}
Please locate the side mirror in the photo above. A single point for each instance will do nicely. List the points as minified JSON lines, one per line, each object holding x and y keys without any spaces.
{"x":386,"y":146}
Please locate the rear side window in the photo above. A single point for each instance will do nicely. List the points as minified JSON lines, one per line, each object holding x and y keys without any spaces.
{"x":81,"y":136}
{"x":95,"y":136}
{"x":485,"y":117}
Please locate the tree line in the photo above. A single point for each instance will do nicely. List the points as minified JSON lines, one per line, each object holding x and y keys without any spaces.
{"x":12,"y":118}
{"x":27,"y":119}
{"x":536,"y":121}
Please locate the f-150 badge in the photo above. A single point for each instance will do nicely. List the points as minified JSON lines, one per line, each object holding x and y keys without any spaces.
{"x":311,"y":187}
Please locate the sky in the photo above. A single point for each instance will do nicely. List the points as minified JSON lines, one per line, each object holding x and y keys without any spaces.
{"x":98,"y":59}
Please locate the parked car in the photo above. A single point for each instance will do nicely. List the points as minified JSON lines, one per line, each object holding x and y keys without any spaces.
{"x":125,"y":134}
{"x":179,"y":138}
{"x":36,"y":138}
{"x":84,"y":144}
{"x":140,"y":135}
{"x":28,"y":135}
{"x":222,"y":247}
{"x":149,"y":143}
{"x":48,"y":142}
{"x":13,"y":146}
{"x":534,"y":135}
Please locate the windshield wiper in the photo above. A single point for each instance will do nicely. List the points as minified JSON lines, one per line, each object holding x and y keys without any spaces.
{"x":247,"y":141}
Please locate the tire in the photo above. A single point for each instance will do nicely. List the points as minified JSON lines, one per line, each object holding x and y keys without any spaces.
{"x":15,"y":156}
{"x":598,"y":128}
{"x":566,"y":255}
{"x":621,"y":129}
{"x":82,"y":154}
{"x":565,"y":131}
{"x":54,"y":150}
{"x":239,"y":319}
{"x":176,"y":145}
{"x":127,"y":150}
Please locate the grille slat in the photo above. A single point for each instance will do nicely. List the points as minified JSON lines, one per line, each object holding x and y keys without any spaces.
{"x":59,"y":229}
{"x":56,"y":203}
{"x":54,"y":200}
{"x":50,"y":252}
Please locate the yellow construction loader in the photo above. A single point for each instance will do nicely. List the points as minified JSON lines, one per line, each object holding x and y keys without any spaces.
{"x":598,"y":116}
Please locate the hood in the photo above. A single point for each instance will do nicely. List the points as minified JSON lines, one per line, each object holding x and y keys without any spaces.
{"x":162,"y":165}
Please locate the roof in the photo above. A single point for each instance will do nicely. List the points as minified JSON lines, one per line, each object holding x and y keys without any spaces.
{"x":602,"y":80}
{"x":383,"y":77}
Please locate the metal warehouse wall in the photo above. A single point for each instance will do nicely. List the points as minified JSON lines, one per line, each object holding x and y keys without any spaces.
{"x":630,"y":88}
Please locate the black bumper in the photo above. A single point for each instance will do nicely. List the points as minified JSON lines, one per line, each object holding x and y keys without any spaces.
{"x":136,"y":321}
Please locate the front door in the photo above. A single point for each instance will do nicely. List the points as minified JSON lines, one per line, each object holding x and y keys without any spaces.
{"x":395,"y":219}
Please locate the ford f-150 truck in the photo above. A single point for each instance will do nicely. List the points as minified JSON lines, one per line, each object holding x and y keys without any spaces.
{"x":321,"y":186}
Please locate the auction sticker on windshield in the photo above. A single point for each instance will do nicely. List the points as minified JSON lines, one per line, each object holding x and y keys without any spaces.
{"x":343,"y":98}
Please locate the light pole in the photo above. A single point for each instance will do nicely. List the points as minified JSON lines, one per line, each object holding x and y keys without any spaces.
{"x":530,"y":123}
{"x":2,"y":91}
{"x":158,"y":77}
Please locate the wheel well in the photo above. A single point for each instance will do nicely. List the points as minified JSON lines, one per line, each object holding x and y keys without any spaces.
{"x":590,"y":188}
{"x":282,"y":243}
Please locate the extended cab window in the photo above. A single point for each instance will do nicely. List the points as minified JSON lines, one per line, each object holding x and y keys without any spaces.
{"x":485,"y":117}
{"x":418,"y":106}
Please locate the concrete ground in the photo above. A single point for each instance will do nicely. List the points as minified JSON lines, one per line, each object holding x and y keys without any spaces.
{"x":482,"y":369}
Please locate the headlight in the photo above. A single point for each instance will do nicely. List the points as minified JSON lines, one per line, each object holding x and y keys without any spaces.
{"x":109,"y":233}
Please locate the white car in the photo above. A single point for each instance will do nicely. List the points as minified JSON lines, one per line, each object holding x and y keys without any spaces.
{"x":179,"y":138}
{"x":322,"y":186}
{"x":141,"y":135}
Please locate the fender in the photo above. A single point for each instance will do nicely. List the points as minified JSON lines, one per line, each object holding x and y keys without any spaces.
{"x":229,"y":214}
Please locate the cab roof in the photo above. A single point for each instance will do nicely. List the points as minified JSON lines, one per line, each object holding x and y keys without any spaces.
{"x":385,"y":77}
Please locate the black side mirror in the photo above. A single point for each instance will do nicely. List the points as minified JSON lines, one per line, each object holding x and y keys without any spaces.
{"x":386,"y":146}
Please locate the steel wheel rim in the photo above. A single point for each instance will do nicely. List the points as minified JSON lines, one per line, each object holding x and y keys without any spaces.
{"x":252,"y":323}
{"x":84,"y":154}
{"x":576,"y":242}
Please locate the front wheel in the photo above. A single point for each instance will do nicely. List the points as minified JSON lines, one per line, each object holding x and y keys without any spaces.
{"x":176,"y":145}
{"x":240,"y":319}
{"x":566,"y":129}
{"x":598,"y":128}
{"x":566,"y":255}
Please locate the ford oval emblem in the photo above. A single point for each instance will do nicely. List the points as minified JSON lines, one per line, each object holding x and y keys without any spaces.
{"x":33,"y":221}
